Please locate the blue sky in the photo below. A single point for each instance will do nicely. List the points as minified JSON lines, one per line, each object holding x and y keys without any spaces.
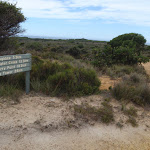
{"x":90,"y":19}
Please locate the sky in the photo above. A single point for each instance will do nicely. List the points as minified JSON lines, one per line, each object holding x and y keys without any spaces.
{"x":89,"y":19}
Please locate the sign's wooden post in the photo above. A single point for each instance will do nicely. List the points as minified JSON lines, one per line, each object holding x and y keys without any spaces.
{"x":27,"y":82}
{"x":11,"y":64}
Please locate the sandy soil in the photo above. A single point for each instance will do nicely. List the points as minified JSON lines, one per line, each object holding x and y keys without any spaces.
{"x":107,"y":82}
{"x":45,"y":123}
{"x":147,"y":67}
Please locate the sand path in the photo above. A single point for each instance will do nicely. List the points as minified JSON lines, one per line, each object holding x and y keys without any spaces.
{"x":147,"y":67}
{"x":37,"y":124}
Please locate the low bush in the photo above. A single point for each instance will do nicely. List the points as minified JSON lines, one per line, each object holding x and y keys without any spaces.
{"x":137,"y":78}
{"x":10,"y":91}
{"x":121,"y":70}
{"x":133,"y":88}
{"x":58,"y":79}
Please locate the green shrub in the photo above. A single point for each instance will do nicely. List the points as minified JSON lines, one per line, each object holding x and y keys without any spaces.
{"x":56,"y":79}
{"x":133,"y":88}
{"x":62,"y":82}
{"x":59,"y":79}
{"x":125,"y":49}
{"x":37,"y":85}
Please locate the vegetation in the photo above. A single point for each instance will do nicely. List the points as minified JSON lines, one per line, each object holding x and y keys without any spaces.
{"x":133,"y":88}
{"x":59,"y":79}
{"x":131,"y":40}
{"x":10,"y":91}
{"x":125,"y":49}
{"x":10,"y":19}
{"x":117,"y":71}
{"x":131,"y":112}
{"x":103,"y":114}
{"x":132,"y":121}
{"x":56,"y":71}
{"x":70,"y":68}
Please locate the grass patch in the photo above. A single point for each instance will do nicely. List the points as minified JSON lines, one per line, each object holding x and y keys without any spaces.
{"x":104,"y":113}
{"x":119,"y":125}
{"x":132,"y":121}
{"x":117,"y":71}
{"x":131,"y":112}
{"x":133,"y":88}
{"x":10,"y":91}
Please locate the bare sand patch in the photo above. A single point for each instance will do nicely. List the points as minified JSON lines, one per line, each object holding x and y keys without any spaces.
{"x":42,"y":123}
{"x":107,"y":82}
{"x":147,"y":67}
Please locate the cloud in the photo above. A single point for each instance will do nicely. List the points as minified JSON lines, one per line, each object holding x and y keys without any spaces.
{"x":117,"y":11}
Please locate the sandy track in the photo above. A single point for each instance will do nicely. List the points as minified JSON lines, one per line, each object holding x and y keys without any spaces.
{"x":89,"y":138}
{"x":147,"y":67}
{"x":39,"y":123}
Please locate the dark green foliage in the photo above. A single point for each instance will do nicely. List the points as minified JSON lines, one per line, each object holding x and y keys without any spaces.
{"x":125,"y":49}
{"x":128,"y":56}
{"x":81,"y":46}
{"x":102,"y":57}
{"x":10,"y":19}
{"x":74,"y":51}
{"x":9,"y":45}
{"x":128,"y":40}
{"x":35,"y":46}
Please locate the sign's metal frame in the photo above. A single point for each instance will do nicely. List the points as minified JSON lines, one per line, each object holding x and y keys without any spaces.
{"x":11,"y":64}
